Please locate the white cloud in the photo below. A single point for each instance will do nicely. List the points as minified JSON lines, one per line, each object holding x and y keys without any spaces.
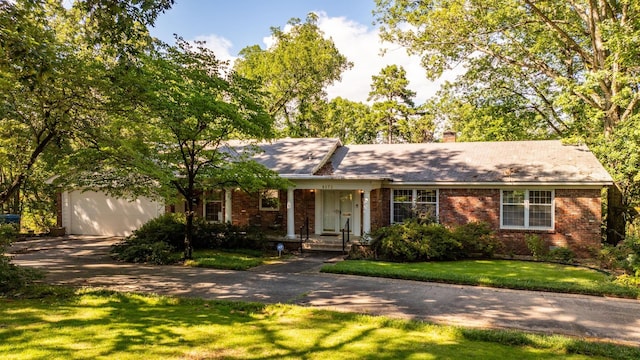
{"x":220,"y":46}
{"x":362,"y":46}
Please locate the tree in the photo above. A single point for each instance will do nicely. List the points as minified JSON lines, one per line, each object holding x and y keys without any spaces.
{"x":349,"y":121}
{"x":294,"y":73}
{"x":178,"y":143}
{"x":62,"y":76}
{"x":394,"y":106}
{"x":574,"y":63}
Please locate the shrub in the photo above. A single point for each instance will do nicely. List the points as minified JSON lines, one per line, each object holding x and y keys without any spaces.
{"x":139,"y":251}
{"x":168,"y":228}
{"x":13,"y":277}
{"x":477,"y":239}
{"x":562,"y":254}
{"x":537,"y":246}
{"x":417,"y":241}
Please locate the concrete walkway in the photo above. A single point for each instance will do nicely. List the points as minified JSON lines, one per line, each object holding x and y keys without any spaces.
{"x":85,"y":262}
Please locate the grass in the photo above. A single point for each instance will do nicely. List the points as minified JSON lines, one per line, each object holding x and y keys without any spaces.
{"x":99,"y":324}
{"x":524,"y":275}
{"x":228,"y":260}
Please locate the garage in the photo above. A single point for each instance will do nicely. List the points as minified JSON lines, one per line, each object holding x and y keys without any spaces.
{"x":96,"y":213}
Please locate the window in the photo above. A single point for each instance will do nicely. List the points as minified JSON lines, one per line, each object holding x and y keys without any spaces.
{"x":270,"y":200}
{"x":213,"y":207}
{"x":413,"y":203}
{"x":527,"y":209}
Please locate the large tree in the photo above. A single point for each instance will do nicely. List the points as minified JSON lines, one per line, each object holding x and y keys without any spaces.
{"x":63,"y":75}
{"x":192,"y":133}
{"x":396,"y":115}
{"x":573,"y":63}
{"x":294,"y":72}
{"x":349,"y":121}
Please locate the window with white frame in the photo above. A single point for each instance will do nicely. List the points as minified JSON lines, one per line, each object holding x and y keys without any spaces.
{"x":270,"y":200}
{"x":413,"y":203}
{"x":213,"y":207}
{"x":527,"y":209}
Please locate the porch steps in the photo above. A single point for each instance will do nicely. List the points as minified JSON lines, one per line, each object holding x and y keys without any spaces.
{"x":326,"y":243}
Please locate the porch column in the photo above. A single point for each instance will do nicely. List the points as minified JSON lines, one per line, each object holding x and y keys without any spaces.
{"x":366,"y":212}
{"x":291,"y":228}
{"x":227,"y":205}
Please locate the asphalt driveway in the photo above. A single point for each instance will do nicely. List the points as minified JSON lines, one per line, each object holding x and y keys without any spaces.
{"x":84,"y":261}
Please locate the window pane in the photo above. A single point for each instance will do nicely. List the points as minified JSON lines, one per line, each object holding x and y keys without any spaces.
{"x":213,"y":211}
{"x":513,"y":197}
{"x":269,"y":200}
{"x":540,"y":215}
{"x":426,"y":196}
{"x":402,"y":195}
{"x":513,"y":215}
{"x":401,"y":212}
{"x":540,"y":197}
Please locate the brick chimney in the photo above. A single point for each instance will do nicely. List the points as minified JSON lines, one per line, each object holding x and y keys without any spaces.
{"x":449,"y":136}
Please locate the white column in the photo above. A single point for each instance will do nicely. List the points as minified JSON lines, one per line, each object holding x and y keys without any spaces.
{"x":366,"y":212}
{"x":291,"y":228}
{"x":227,"y":205}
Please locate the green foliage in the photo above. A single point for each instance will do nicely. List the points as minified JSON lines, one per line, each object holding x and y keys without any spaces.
{"x":167,"y":228}
{"x":395,"y":113}
{"x":476,"y":238}
{"x":12,"y":277}
{"x":155,"y":241}
{"x":294,"y":73}
{"x":559,"y":74}
{"x":413,"y":240}
{"x":141,"y":251}
{"x":562,"y":254}
{"x":538,"y":247}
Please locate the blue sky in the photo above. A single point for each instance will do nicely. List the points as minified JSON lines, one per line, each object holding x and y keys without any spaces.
{"x":228,"y":26}
{"x":247,"y":22}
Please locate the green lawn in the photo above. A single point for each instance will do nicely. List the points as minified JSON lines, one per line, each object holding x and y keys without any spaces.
{"x":511,"y":274}
{"x":228,"y":260}
{"x":98,"y":324}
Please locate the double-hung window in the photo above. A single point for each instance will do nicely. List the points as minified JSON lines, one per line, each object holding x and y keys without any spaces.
{"x":413,"y":203}
{"x":526,"y":209}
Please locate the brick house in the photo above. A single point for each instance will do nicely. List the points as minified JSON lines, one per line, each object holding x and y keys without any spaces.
{"x":519,"y":188}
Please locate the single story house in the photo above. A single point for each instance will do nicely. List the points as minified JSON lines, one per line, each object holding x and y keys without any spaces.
{"x":518,"y":187}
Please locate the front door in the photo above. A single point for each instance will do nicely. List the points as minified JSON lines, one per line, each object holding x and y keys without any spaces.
{"x":337,"y":209}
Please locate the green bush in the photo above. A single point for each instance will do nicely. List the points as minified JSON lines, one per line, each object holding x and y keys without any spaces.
{"x":156,"y":240}
{"x":537,"y":246}
{"x":414,"y":240}
{"x":13,"y":277}
{"x":562,"y":254}
{"x":168,"y":228}
{"x":139,"y":251}
{"x":477,"y":240}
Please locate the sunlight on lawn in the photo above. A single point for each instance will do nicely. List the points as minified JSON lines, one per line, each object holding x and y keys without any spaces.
{"x":99,"y":324}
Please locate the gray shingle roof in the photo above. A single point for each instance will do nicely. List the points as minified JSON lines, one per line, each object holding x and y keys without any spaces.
{"x":296,"y":156}
{"x":473,"y":162}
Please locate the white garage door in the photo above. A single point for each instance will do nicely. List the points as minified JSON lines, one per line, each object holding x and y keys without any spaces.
{"x":95,"y":213}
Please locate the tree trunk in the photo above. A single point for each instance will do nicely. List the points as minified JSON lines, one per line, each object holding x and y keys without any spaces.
{"x":616,"y":222}
{"x":188,"y":231}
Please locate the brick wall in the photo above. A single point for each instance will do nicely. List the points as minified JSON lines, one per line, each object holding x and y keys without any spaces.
{"x":577,"y":218}
{"x":304,"y":206}
{"x":380,"y":206}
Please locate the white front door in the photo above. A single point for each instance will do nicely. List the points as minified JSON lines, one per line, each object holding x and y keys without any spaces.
{"x":337,"y":209}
